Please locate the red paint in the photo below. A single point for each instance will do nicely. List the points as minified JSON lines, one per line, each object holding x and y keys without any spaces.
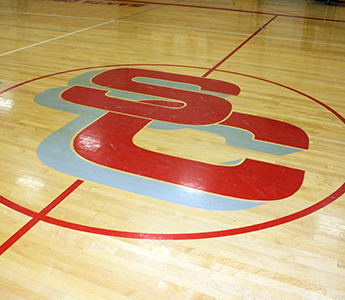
{"x":122,"y":79}
{"x":171,"y":104}
{"x":252,"y":180}
{"x":199,"y":109}
{"x":17,"y":207}
{"x":61,"y":197}
{"x":203,"y":235}
{"x":36,"y":217}
{"x":14,"y":238}
{"x":269,"y":130}
{"x":188,"y":236}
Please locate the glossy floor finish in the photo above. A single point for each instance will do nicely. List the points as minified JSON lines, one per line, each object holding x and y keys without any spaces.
{"x":172,"y":150}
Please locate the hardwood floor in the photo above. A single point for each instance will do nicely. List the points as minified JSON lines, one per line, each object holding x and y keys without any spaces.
{"x":172,"y":150}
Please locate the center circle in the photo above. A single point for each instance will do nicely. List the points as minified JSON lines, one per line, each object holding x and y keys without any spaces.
{"x":198,"y":235}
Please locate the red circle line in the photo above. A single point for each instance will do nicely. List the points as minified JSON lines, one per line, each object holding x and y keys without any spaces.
{"x":202,"y":235}
{"x":179,"y":236}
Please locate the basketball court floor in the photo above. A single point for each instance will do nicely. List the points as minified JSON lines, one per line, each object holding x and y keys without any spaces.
{"x":163,"y":149}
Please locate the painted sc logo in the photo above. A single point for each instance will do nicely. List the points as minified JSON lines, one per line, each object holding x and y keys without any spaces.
{"x":116,"y":104}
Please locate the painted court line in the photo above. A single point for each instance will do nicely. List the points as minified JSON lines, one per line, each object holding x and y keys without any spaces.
{"x":203,"y":235}
{"x":56,"y":38}
{"x":238,"y":48}
{"x":38,"y":217}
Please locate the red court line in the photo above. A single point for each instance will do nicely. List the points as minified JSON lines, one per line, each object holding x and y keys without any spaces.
{"x":61,"y":197}
{"x":236,"y":10}
{"x":238,"y":48}
{"x":202,"y":235}
{"x":158,"y":236}
{"x":36,"y":217}
{"x":14,"y":238}
{"x":16,"y":207}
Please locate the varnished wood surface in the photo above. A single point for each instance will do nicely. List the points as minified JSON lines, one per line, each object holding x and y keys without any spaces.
{"x":282,"y":68}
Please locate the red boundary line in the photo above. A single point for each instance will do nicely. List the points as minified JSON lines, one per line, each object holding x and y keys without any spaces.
{"x":238,"y":48}
{"x":36,"y":217}
{"x":235,"y":10}
{"x":158,"y":236}
{"x":202,"y":235}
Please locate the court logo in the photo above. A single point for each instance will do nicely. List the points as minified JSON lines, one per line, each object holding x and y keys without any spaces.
{"x":114,"y":105}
